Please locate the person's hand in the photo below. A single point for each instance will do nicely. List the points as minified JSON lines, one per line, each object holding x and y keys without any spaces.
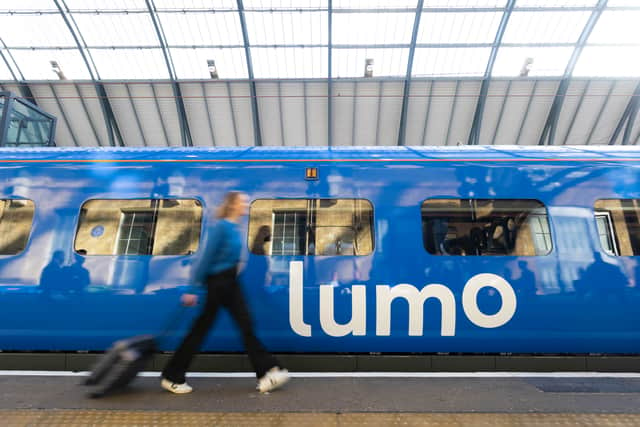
{"x":189,"y":300}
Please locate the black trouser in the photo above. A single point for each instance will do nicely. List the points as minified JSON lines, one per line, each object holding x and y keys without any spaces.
{"x":222,"y":288}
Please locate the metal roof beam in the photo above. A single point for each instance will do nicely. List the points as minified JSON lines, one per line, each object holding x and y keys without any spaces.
{"x":402,"y":131}
{"x":474,"y":133}
{"x":185,"y":133}
{"x":628,"y":118}
{"x":109,"y":117}
{"x":252,"y":84}
{"x":329,"y":75}
{"x":549,"y":131}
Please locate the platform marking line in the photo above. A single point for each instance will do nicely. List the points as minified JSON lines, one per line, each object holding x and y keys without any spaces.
{"x":11,"y":373}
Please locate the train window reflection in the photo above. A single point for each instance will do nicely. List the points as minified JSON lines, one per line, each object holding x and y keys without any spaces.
{"x":139,"y":227}
{"x":485,"y":227}
{"x":16,"y":218}
{"x":311,"y":227}
{"x":618,"y":226}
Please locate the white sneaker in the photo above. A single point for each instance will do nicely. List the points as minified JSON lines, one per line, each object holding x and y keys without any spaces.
{"x":175,"y":387}
{"x":273,"y":379}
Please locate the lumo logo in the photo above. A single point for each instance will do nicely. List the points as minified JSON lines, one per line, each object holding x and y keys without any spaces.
{"x":414,"y":297}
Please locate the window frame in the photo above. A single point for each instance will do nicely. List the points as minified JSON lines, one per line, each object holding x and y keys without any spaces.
{"x":610,"y":228}
{"x":31,"y":227}
{"x":278,"y":199}
{"x":203,"y":220}
{"x":485,"y":256}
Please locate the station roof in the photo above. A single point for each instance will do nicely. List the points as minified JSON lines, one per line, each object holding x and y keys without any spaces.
{"x":327,"y":72}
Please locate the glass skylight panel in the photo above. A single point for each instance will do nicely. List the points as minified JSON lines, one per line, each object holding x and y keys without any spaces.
{"x":545,"y":27}
{"x":269,"y":28}
{"x":106,"y":5}
{"x":546,"y":61}
{"x":470,"y":27}
{"x":386,"y":62}
{"x":450,"y":4}
{"x":28,"y":5}
{"x":292,"y":62}
{"x":450,"y":62}
{"x":617,"y":27}
{"x":198,"y":29}
{"x":5,"y":73}
{"x":609,"y":61}
{"x":284,"y":4}
{"x":623,"y":3}
{"x":117,"y":29}
{"x":372,"y":28}
{"x":192,"y":63}
{"x":48,"y":30}
{"x":556,"y":3}
{"x":196,"y":4}
{"x":134,"y":64}
{"x":374,"y":4}
{"x":36,"y":65}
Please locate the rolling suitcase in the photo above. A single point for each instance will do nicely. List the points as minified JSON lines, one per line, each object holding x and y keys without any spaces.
{"x":123,"y":361}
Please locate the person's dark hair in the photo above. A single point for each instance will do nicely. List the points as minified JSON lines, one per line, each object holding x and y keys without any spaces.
{"x":224,"y":210}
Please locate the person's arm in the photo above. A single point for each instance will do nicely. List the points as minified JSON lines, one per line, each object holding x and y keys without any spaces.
{"x":211,"y":246}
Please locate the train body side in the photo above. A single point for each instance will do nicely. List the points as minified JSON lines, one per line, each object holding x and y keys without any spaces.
{"x":340,"y":306}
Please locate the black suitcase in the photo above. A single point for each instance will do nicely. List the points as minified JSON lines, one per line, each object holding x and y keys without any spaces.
{"x":121,"y":364}
{"x":124,"y":360}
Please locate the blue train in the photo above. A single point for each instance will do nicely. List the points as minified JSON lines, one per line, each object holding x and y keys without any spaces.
{"x":350,"y":250}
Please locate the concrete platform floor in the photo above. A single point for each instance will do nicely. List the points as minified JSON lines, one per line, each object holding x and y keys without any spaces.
{"x":330,"y":400}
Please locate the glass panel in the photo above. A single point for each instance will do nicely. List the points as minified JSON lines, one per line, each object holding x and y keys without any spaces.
{"x":372,"y":28}
{"x":5,"y":73}
{"x":386,"y":62}
{"x":608,"y":62}
{"x":311,"y":227}
{"x":546,"y":61}
{"x":139,"y":227}
{"x":192,"y":63}
{"x":472,"y":27}
{"x":106,"y":5}
{"x":16,"y":217}
{"x":109,"y":29}
{"x":485,"y":227}
{"x":30,"y":5}
{"x":622,"y":3}
{"x":450,"y":62}
{"x":269,"y":28}
{"x":285,"y":4}
{"x":197,"y":29}
{"x":464,"y":3}
{"x":29,"y":31}
{"x":617,"y":27}
{"x":36,"y":64}
{"x":373,"y":4}
{"x":545,"y":27}
{"x":625,"y":228}
{"x":197,"y":4}
{"x":289,"y":62}
{"x":28,"y":126}
{"x":605,"y":233}
{"x":555,"y":3}
{"x":130,"y":63}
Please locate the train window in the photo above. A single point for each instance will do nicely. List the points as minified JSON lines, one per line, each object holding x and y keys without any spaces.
{"x":311,"y":227}
{"x":16,"y":218}
{"x":618,"y":225}
{"x":485,"y":227}
{"x":139,"y":227}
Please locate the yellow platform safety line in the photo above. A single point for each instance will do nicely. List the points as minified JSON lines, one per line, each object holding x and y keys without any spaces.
{"x":84,"y":418}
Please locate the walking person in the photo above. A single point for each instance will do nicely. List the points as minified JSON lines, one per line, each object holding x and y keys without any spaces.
{"x":217,"y":270}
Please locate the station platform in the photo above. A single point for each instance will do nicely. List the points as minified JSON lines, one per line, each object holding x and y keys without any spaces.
{"x":32,"y":398}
